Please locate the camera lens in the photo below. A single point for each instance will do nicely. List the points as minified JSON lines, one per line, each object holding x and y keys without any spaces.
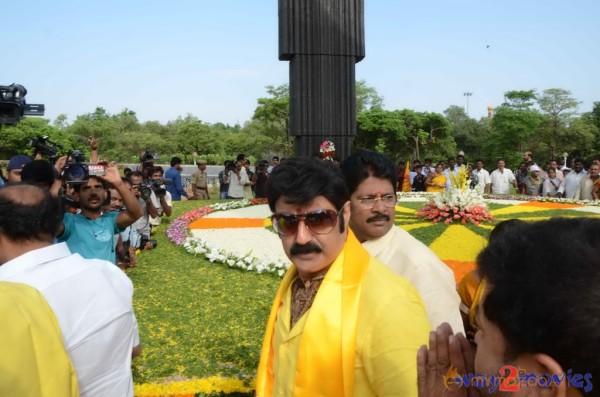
{"x":76,"y":173}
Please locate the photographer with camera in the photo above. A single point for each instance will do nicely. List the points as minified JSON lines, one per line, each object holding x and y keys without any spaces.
{"x":149,"y":203}
{"x":90,"y":232}
{"x":260,"y":179}
{"x":164,"y":197}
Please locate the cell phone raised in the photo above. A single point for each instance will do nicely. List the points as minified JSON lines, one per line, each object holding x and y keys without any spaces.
{"x":96,"y":169}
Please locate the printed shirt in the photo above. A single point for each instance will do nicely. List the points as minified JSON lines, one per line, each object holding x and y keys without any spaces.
{"x":91,"y":238}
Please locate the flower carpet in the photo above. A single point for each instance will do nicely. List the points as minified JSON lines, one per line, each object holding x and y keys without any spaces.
{"x":202,"y":312}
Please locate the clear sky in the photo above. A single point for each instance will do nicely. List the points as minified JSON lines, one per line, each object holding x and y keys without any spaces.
{"x":213,"y":58}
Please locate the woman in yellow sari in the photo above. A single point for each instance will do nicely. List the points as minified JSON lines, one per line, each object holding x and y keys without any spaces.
{"x":436,"y":181}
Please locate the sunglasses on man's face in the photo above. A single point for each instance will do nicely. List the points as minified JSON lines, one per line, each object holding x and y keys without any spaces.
{"x":318,"y":222}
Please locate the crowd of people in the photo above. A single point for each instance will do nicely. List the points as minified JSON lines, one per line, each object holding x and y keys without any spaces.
{"x":366,"y":309}
{"x":579,"y":182}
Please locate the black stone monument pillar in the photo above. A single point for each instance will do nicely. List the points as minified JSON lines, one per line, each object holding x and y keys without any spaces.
{"x":323,"y":40}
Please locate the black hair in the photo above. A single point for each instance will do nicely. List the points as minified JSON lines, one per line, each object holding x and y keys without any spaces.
{"x":426,"y":160}
{"x":275,"y":158}
{"x":365,"y":163}
{"x":175,"y":161}
{"x":300,"y":180}
{"x":77,"y":186}
{"x":240,"y":157}
{"x":504,"y":227}
{"x":478,"y":160}
{"x":544,"y":297}
{"x":29,"y":213}
{"x":460,"y":155}
{"x":450,"y":159}
{"x":136,"y":173}
{"x":158,"y":168}
{"x":38,"y":172}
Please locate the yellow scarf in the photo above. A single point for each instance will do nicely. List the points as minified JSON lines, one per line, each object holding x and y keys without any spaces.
{"x":322,"y":369}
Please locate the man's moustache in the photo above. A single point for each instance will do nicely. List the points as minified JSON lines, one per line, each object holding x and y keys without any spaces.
{"x":378,"y":217}
{"x":305,"y":249}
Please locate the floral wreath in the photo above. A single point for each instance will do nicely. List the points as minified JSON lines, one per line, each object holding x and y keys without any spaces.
{"x":327,"y":150}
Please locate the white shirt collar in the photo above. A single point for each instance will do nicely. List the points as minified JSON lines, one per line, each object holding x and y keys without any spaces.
{"x":33,"y":258}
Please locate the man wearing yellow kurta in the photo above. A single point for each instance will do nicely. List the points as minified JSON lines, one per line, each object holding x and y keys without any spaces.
{"x":341,"y":324}
{"x":34,"y":359}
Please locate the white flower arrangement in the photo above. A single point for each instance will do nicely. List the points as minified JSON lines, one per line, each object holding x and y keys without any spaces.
{"x":197,"y":246}
{"x":457,"y":197}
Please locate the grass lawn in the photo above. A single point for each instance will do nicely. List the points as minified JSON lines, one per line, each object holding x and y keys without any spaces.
{"x":196,"y":319}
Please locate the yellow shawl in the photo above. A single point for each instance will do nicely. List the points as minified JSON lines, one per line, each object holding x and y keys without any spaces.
{"x":322,"y":369}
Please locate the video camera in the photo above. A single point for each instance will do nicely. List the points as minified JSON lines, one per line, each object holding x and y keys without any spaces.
{"x":13,"y":106}
{"x":262,"y":165}
{"x":44,"y":146}
{"x":76,"y":171}
{"x":159,"y":188}
{"x":147,"y":159}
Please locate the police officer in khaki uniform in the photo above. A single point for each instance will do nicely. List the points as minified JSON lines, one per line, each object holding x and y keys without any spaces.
{"x":200,"y":182}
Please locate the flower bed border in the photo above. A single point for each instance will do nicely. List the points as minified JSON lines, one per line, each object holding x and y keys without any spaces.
{"x":177,"y":232}
{"x":524,"y":198}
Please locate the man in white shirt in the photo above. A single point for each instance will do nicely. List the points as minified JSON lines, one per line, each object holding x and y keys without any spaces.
{"x":371,"y":178}
{"x":484,"y":182}
{"x":502,"y":178}
{"x":237,"y":179}
{"x":91,"y":298}
{"x":572,"y":181}
{"x":586,"y":185}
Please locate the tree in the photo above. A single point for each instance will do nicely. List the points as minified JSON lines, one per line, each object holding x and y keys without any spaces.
{"x":381,"y":130}
{"x":439,"y":143}
{"x":559,"y":108}
{"x":469,"y":134}
{"x":515,"y":122}
{"x":100,"y":125}
{"x":274,"y":113}
{"x":367,"y":98}
{"x":15,"y":139}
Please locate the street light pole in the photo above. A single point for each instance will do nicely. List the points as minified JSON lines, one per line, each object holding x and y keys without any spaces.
{"x":467,"y":94}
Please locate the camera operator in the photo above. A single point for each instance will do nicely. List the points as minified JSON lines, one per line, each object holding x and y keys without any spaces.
{"x":146,"y":165}
{"x":164,"y":197}
{"x":149,"y":204}
{"x":260,"y":178}
{"x":90,"y":232}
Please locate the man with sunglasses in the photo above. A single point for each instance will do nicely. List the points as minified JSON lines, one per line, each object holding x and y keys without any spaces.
{"x":342,"y":323}
{"x":371,"y":178}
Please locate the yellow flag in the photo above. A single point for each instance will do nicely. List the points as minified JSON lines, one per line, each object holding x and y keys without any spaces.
{"x":406,"y":178}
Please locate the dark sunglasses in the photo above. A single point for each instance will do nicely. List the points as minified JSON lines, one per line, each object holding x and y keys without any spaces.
{"x":318,"y":222}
